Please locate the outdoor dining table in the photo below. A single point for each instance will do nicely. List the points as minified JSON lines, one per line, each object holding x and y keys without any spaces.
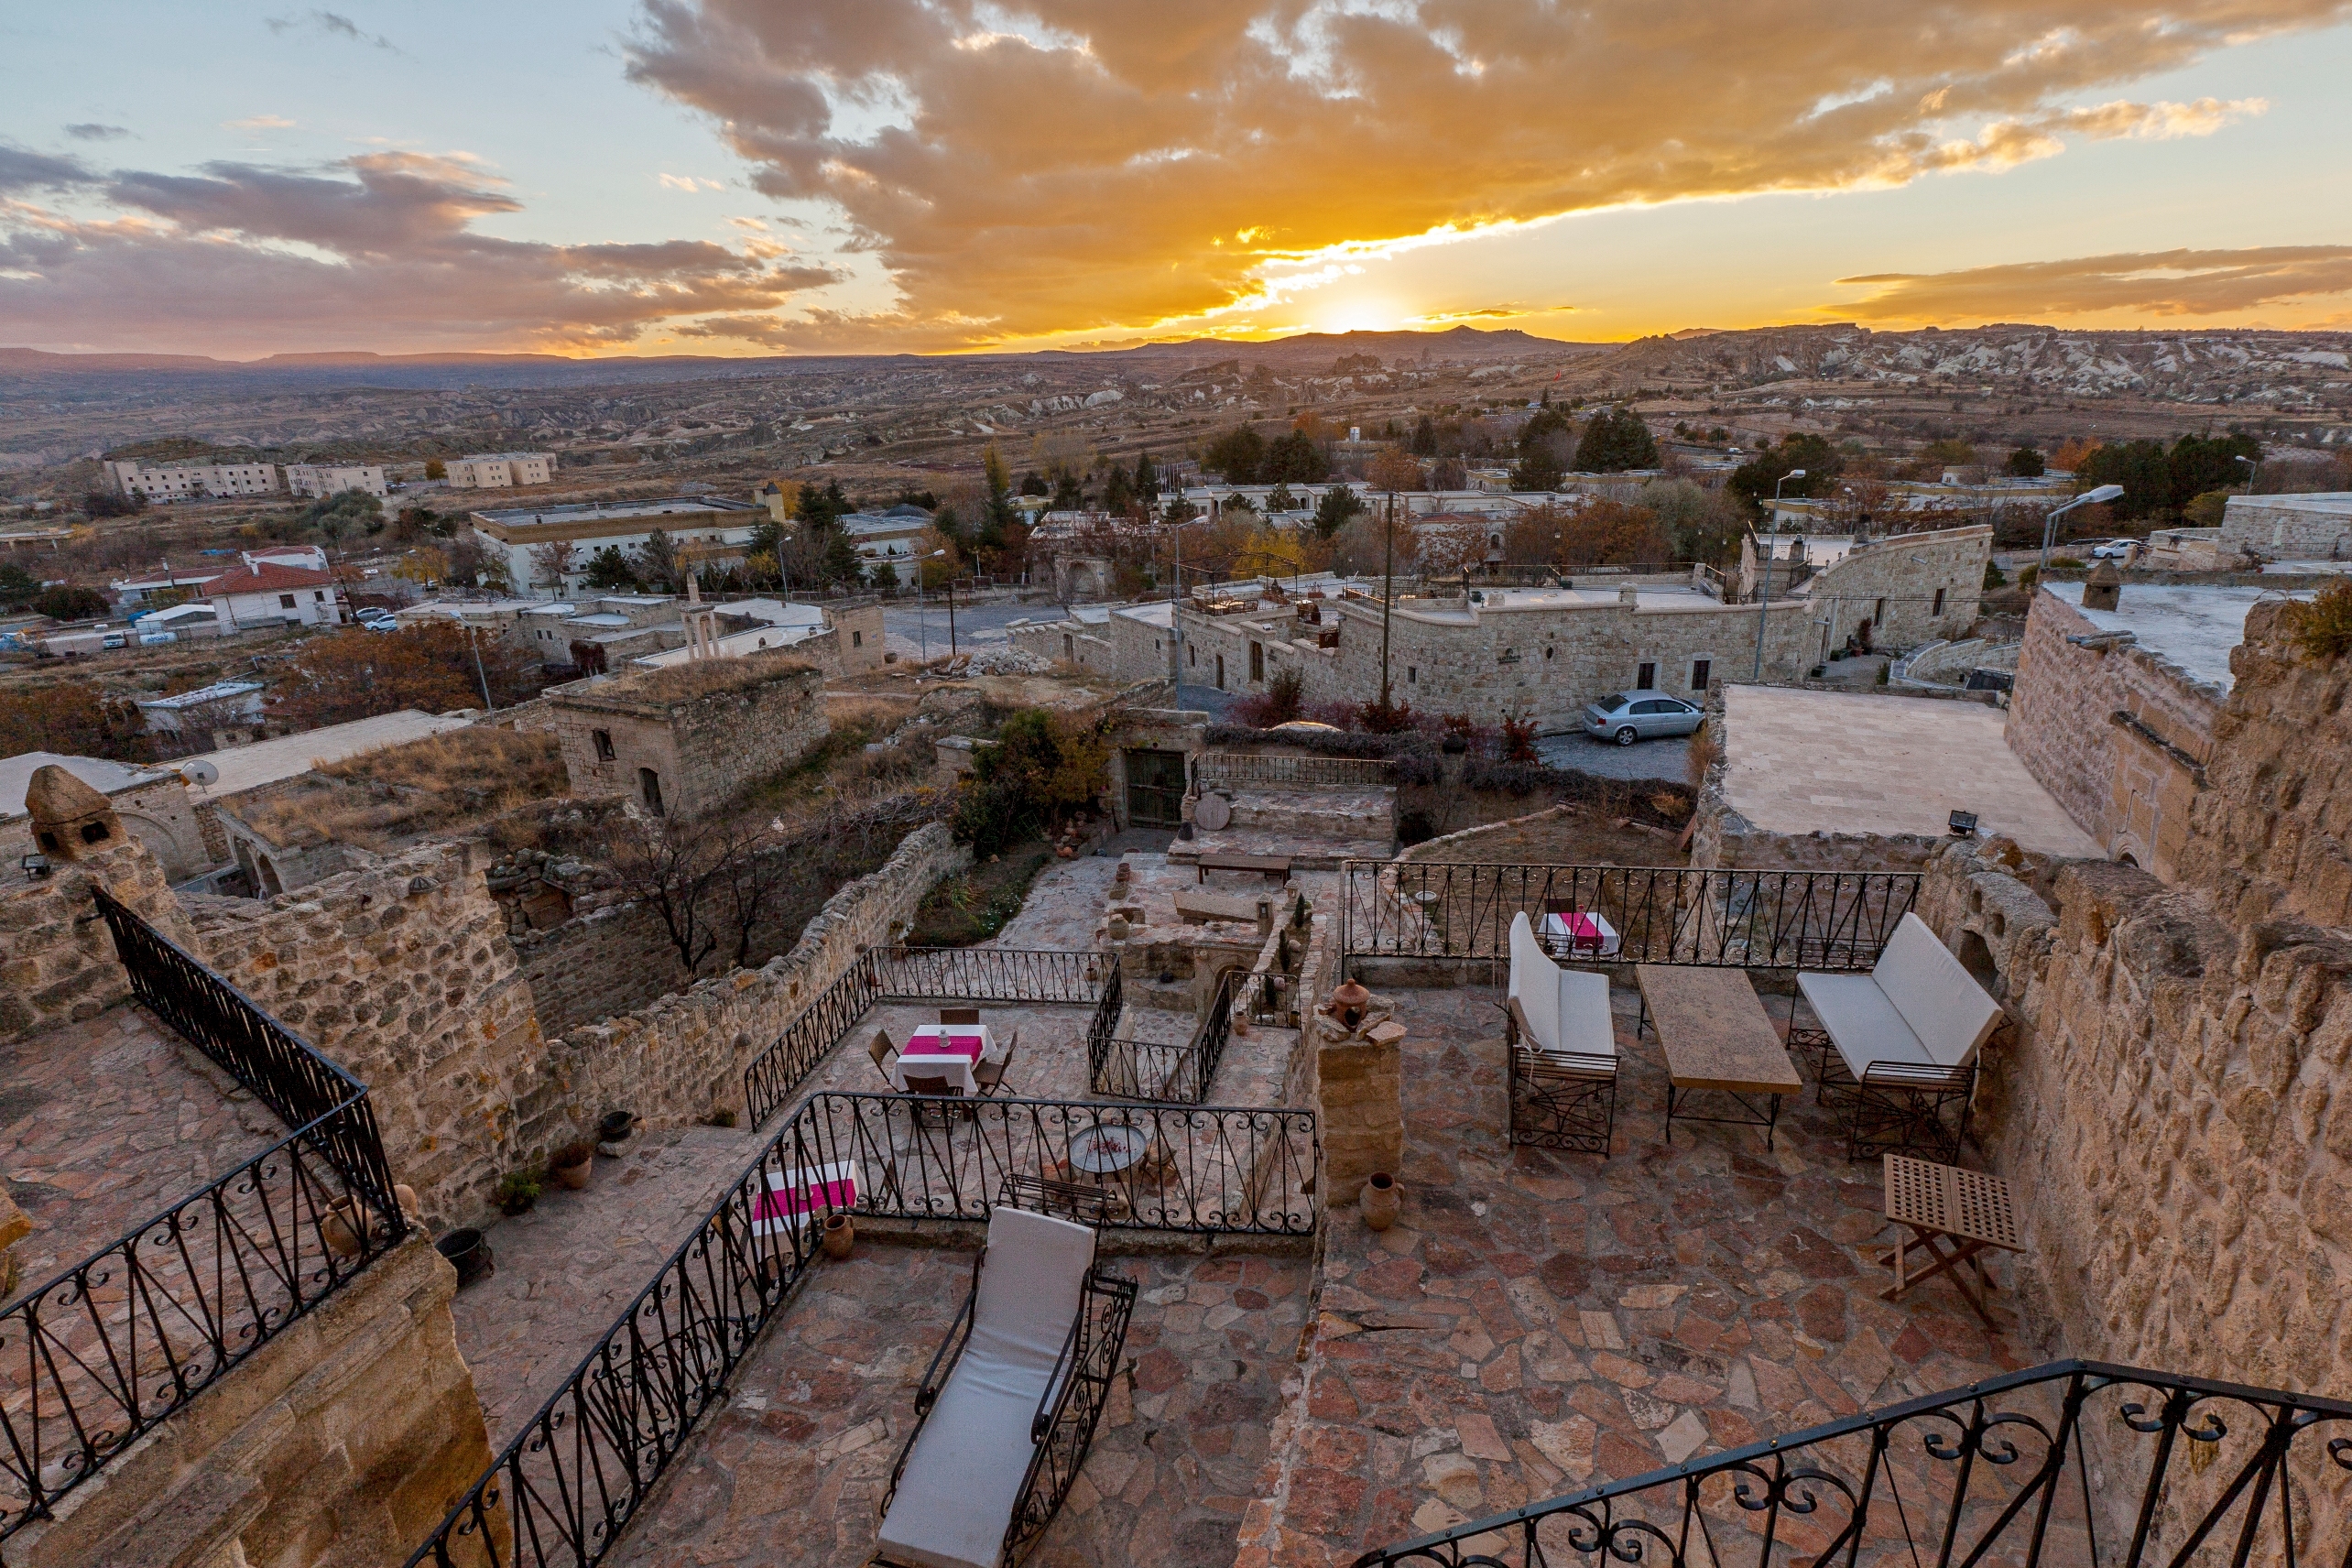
{"x":1578,"y":933}
{"x":1106,"y":1150}
{"x":945,"y":1050}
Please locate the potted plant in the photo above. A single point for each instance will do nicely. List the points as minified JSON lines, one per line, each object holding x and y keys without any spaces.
{"x":571,"y":1164}
{"x":517,"y":1190}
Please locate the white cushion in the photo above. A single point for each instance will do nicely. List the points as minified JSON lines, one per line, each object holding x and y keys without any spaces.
{"x":1862,"y":1023}
{"x":955,"y":1500}
{"x":1585,"y":1028}
{"x":1941,"y":1001}
{"x":1535,"y":985}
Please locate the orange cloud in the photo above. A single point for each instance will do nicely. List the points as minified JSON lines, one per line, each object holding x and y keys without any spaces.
{"x":2162,"y":283}
{"x":1038,"y":167}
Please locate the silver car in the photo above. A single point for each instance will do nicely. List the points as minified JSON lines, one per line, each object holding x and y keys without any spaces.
{"x":1630,"y":716}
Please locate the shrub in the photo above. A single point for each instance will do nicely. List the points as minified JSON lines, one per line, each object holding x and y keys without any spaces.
{"x":1282,"y":701}
{"x":1040,"y":770}
{"x":2322,"y":627}
{"x":1514,"y":778}
{"x":1378,"y":717}
{"x":1518,"y":738}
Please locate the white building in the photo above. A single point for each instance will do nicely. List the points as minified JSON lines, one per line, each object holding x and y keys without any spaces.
{"x":501,"y":470}
{"x":225,"y":704}
{"x":534,"y":540}
{"x":321,"y":479}
{"x":265,"y":593}
{"x":189,"y":481}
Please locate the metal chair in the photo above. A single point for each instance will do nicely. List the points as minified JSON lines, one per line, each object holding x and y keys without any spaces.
{"x":880,"y":1048}
{"x":990,"y":1075}
{"x":952,"y":1016}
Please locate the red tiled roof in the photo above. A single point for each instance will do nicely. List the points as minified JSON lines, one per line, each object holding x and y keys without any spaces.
{"x":267,"y":578}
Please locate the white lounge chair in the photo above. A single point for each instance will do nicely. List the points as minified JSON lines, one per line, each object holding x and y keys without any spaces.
{"x":1559,"y":1049}
{"x":1899,"y":1044}
{"x":1006,"y":1413}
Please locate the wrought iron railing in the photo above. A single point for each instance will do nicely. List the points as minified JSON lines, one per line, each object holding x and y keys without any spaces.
{"x":100,"y":1354}
{"x":1247,"y":770}
{"x":1752,"y":919}
{"x":567,"y":1485}
{"x":1033,"y":977}
{"x":2164,"y":1469}
{"x":1168,"y":1073}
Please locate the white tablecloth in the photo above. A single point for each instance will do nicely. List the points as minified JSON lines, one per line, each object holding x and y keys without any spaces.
{"x":922,"y":1058}
{"x":1574,"y":936}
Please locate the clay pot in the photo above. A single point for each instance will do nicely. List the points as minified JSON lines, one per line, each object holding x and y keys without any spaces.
{"x":1348,"y":1003}
{"x":469,"y":1253}
{"x":575,"y":1175}
{"x":341,"y":1228}
{"x":1379,"y":1200}
{"x":840,"y":1236}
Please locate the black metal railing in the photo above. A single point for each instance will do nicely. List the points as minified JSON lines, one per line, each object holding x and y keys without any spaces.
{"x":100,"y":1354}
{"x":568,"y":1483}
{"x":1752,"y":919}
{"x":1034,"y":976}
{"x":1207,"y":1169}
{"x":1246,"y":770}
{"x":1174,"y":1074}
{"x":2076,"y":1463}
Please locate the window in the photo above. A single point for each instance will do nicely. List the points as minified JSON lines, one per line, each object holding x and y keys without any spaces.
{"x":1939,"y":602}
{"x":604,"y":739}
{"x":1221,"y":672}
{"x":1646,"y":679}
{"x":1192,"y":657}
{"x":1701,"y":668}
{"x":649,"y":783}
{"x":286,"y":601}
{"x":1069,"y":647}
{"x":857,"y":639}
{"x":1878,"y":615}
{"x":1655,"y":706}
{"x":1412,"y":674}
{"x":318,"y":596}
{"x":1256,"y":661}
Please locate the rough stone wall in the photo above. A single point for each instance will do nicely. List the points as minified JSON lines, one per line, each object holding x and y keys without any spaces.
{"x":683,"y":1058}
{"x":2290,"y":527}
{"x":1090,"y":647}
{"x":339,"y":1444}
{"x":402,"y":974}
{"x":1898,"y":584}
{"x":705,"y":750}
{"x":57,"y":960}
{"x":2127,"y":779}
{"x":2170,"y":1099}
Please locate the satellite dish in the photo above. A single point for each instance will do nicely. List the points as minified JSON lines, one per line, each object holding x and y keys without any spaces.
{"x":200,"y":773}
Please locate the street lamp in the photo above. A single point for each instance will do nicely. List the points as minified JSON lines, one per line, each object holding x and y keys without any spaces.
{"x":2050,"y":523}
{"x":2253,"y":467}
{"x":1764,"y":586}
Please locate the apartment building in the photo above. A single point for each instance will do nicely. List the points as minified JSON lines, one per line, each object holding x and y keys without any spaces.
{"x":706,"y":528}
{"x":323,"y":479}
{"x":190,"y":480}
{"x":501,"y":470}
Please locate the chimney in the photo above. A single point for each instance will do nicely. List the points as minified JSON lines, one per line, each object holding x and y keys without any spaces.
{"x":2104,"y":590}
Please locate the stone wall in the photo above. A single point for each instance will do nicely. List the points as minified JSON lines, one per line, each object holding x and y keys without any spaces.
{"x":683,"y":1058}
{"x":57,"y":960}
{"x":703,"y":749}
{"x":2297,"y":528}
{"x":402,"y":974}
{"x":1912,"y":588}
{"x":2170,"y":1098}
{"x":340,"y":1443}
{"x":2114,"y":731}
{"x":164,"y":815}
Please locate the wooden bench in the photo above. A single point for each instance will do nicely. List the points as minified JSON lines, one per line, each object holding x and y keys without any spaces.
{"x":1275,"y":867}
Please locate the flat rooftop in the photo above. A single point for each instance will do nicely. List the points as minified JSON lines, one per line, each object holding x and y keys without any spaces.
{"x":1801,"y":762}
{"x":100,"y":773}
{"x":2190,"y":625}
{"x":611,"y":511}
{"x":266,"y":761}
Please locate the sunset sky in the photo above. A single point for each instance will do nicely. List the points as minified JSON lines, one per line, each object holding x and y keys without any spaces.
{"x":757,"y":176}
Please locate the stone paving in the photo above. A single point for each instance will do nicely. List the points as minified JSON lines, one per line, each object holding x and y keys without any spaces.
{"x":1536,"y":1322}
{"x":795,"y":1468}
{"x":566,"y":1267}
{"x":105,"y":1123}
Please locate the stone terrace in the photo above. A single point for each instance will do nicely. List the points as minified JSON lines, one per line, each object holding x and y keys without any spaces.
{"x":1536,"y":1322}
{"x":793,"y":1471}
{"x":107,"y":1122}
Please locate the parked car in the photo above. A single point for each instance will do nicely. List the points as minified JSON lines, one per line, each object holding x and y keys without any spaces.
{"x":1630,"y":716}
{"x":2115,"y":550}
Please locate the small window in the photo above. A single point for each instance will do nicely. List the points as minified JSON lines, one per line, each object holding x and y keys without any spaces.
{"x":1646,"y":679}
{"x":1221,"y":672}
{"x":1701,"y":670}
{"x":1412,"y":674}
{"x":286,"y":602}
{"x":1939,"y":602}
{"x":1878,"y":615}
{"x":649,"y":783}
{"x":318,"y":596}
{"x":1256,"y":661}
{"x":1192,"y":657}
{"x":604,"y":739}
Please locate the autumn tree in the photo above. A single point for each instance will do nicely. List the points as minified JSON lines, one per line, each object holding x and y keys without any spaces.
{"x":553,"y":562}
{"x":73,"y":719}
{"x":1615,"y":533}
{"x":357,"y":673}
{"x":1395,"y":470}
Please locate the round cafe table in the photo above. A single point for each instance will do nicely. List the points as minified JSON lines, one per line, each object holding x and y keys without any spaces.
{"x":1105,"y":1150}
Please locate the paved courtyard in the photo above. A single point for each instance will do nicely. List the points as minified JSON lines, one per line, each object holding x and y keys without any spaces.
{"x":104,"y":1125}
{"x":793,"y":1471}
{"x":1537,"y":1322}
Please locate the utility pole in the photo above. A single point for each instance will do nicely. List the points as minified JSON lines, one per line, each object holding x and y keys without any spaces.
{"x":1388,"y":596}
{"x":1764,"y":587}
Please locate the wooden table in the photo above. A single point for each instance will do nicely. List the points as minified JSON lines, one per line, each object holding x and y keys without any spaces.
{"x":1275,"y":867}
{"x":1715,"y":1036}
{"x":1933,"y":1202}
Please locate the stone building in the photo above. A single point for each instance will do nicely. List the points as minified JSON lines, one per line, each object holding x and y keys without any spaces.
{"x":156,"y":806}
{"x":688,"y":739}
{"x":2114,"y":708}
{"x":1908,"y":588}
{"x":2316,"y":527}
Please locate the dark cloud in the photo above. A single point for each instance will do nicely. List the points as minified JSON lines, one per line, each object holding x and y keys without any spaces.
{"x":2154,"y":283}
{"x":21,"y":169}
{"x":91,"y":131}
{"x":1040,"y":166}
{"x":378,"y":248}
{"x":334,"y":25}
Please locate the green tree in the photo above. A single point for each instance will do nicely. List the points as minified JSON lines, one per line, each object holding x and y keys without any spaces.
{"x":1338,"y":504}
{"x":2199,"y":464}
{"x":1118,"y":491}
{"x":1614,"y":441}
{"x":1033,"y":484}
{"x":2026,"y":462}
{"x":656,"y":563}
{"x":1424,"y":442}
{"x":67,"y":602}
{"x":1238,"y":455}
{"x":1069,"y":495}
{"x":1000,"y":516}
{"x":608,"y":571}
{"x":1542,"y":451}
{"x":1752,"y":482}
{"x":1147,"y":477}
{"x":2143,"y":470}
{"x":1295,"y":458}
{"x":17,"y":585}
